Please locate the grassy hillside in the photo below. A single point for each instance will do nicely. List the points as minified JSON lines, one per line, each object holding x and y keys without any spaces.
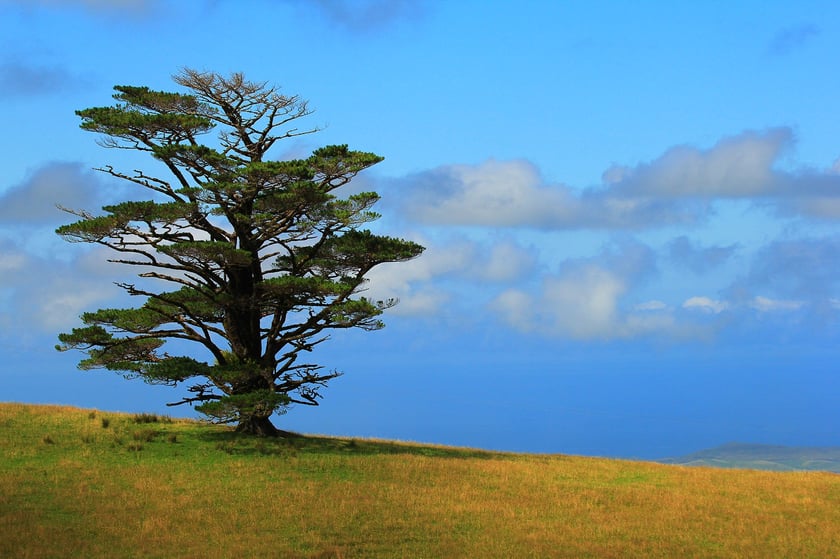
{"x":95,"y":484}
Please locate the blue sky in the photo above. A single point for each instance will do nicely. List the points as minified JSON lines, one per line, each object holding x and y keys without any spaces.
{"x":630,"y":209}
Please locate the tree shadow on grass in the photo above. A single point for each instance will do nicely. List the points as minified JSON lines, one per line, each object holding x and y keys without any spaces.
{"x":292,"y":443}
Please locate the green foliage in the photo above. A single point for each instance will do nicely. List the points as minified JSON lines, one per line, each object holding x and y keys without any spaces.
{"x":358,"y":312}
{"x":145,"y":114}
{"x":257,"y":403}
{"x":149,"y":211}
{"x":201,"y":252}
{"x":170,"y":370}
{"x":265,"y":257}
{"x":138,"y":321}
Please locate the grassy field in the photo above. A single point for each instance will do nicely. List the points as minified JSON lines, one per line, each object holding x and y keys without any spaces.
{"x":81,"y":483}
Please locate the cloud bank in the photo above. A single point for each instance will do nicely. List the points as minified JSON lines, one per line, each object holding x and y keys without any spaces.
{"x":678,"y":288}
{"x":491,"y":258}
{"x":680,"y":187}
{"x":24,"y":80}
{"x":35,"y":201}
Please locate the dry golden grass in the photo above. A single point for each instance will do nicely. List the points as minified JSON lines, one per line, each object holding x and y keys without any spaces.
{"x":87,"y":494}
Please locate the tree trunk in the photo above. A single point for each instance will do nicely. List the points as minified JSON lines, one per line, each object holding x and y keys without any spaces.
{"x":257,"y":425}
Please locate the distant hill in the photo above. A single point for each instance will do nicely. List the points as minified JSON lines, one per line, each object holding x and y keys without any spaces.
{"x":763,"y":457}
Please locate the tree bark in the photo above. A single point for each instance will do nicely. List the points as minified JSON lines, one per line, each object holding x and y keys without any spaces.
{"x":257,"y":425}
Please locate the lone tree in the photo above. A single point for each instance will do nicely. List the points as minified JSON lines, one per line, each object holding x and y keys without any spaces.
{"x":261,"y":260}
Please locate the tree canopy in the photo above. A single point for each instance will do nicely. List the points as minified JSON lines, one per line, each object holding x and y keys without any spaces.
{"x":259,"y":257}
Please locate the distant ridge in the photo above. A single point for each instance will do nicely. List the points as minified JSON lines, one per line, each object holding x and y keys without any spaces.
{"x":763,"y":457}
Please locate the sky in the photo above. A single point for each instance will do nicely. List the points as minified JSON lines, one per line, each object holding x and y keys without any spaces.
{"x":630,"y":210}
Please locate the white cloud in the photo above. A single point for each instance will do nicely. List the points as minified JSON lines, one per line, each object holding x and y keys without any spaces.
{"x":744,"y":166}
{"x":59,"y":308}
{"x":736,"y":166}
{"x":418,"y":282}
{"x":45,"y":295}
{"x":764,"y":304}
{"x":679,"y":187}
{"x":803,"y":269}
{"x":425,"y":301}
{"x":821,"y":207}
{"x":493,"y":193}
{"x":34,"y":201}
{"x":512,"y":194}
{"x":698,"y":259}
{"x":589,"y":298}
{"x":12,"y":262}
{"x":584,"y":299}
{"x":400,"y":281}
{"x":18,"y":80}
{"x":583,"y":303}
{"x":507,"y":261}
{"x":705,"y":304}
{"x":661,"y":324}
{"x":652,"y":306}
{"x":516,"y":308}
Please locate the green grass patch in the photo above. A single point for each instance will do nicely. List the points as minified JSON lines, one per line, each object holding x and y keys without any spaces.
{"x":174,"y":488}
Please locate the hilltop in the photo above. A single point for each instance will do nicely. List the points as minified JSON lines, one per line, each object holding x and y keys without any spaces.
{"x":89,"y":483}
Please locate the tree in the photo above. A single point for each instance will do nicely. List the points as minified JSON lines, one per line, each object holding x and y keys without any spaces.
{"x":260,"y":258}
